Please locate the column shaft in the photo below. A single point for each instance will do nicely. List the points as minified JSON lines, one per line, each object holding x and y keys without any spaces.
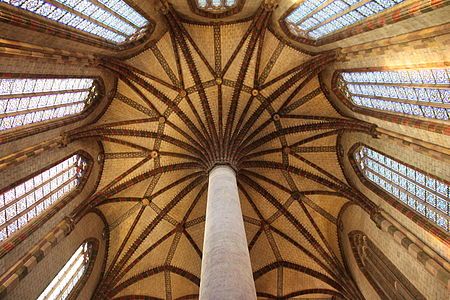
{"x":226,"y":267}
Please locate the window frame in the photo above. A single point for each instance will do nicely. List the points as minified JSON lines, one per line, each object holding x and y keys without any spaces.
{"x":434,"y":125}
{"x":38,"y":127}
{"x":94,"y":245}
{"x":391,"y":15}
{"x":357,"y":235}
{"x":21,"y":234}
{"x":28,"y":20}
{"x":236,"y":8}
{"x":413,"y":215}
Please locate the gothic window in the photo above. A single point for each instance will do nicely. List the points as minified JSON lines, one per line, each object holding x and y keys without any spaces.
{"x":26,"y":101}
{"x":381,"y":273}
{"x":112,"y":20}
{"x":64,"y":283}
{"x":216,"y":5}
{"x":422,"y":193}
{"x":421,"y":93}
{"x":30,"y":198}
{"x":315,"y":19}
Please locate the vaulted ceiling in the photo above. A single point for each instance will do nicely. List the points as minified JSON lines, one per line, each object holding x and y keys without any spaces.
{"x":231,"y":94}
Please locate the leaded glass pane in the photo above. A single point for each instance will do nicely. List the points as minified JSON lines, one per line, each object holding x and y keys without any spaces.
{"x":423,"y":93}
{"x":21,"y":204}
{"x":315,"y":19}
{"x":216,"y":4}
{"x":113,"y":20}
{"x":424,"y":194}
{"x":68,"y":277}
{"x":31,"y":100}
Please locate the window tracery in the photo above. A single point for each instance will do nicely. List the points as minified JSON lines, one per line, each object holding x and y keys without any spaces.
{"x":27,"y":200}
{"x":381,"y":273}
{"x":216,"y":5}
{"x":424,"y":194}
{"x":70,"y":275}
{"x":26,"y":101}
{"x":315,"y":19}
{"x":113,"y":20}
{"x":414,"y":92}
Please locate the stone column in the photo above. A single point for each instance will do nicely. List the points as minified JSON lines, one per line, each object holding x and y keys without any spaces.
{"x":226,"y":268}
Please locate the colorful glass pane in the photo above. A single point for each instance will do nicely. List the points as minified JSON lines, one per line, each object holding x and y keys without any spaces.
{"x":422,"y":193}
{"x":30,"y":100}
{"x":68,"y":277}
{"x":21,"y":204}
{"x":315,"y":19}
{"x":423,"y":93}
{"x":113,"y":20}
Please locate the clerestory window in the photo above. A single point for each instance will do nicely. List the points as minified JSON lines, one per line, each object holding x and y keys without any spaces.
{"x":423,"y":93}
{"x":217,"y":5}
{"x":64,"y":283}
{"x":26,"y":101}
{"x":315,"y":19}
{"x":424,"y":194}
{"x":112,"y":20}
{"x":30,"y":198}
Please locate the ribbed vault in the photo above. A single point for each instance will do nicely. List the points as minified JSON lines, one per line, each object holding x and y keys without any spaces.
{"x":222,"y":94}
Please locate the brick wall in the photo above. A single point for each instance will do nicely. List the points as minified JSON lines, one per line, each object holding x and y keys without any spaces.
{"x":91,"y":226}
{"x":354,"y":218}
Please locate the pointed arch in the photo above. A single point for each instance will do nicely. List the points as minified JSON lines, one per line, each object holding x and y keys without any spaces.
{"x":420,"y":196}
{"x":45,"y":101}
{"x":381,"y":273}
{"x":108,"y":23}
{"x":417,"y":96}
{"x":28,"y":203}
{"x":74,"y":274}
{"x":319,"y":22}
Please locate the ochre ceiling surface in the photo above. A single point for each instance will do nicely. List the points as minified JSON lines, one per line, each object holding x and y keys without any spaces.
{"x":222,"y":94}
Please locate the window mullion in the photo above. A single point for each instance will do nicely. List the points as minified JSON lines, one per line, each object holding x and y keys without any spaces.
{"x":47,"y":93}
{"x":31,"y":207}
{"x":22,"y":112}
{"x":404,"y":176}
{"x":53,"y":289}
{"x":39,"y":186}
{"x":114,"y":13}
{"x":69,"y":282}
{"x":319,"y":8}
{"x":349,"y":9}
{"x":84,"y":17}
{"x":415,"y":102}
{"x":417,"y":199}
{"x":412,"y":85}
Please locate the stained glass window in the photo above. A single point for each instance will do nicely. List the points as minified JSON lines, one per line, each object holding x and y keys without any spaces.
{"x":25,"y":101}
{"x":113,"y":20}
{"x":315,"y":19}
{"x":420,"y":92}
{"x":68,"y":277}
{"x":216,"y":4}
{"x":424,"y":194}
{"x":27,"y":200}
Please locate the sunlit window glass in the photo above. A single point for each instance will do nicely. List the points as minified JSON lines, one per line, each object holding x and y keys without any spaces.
{"x":27,"y":200}
{"x":424,"y":194}
{"x":113,"y":20}
{"x":64,"y":282}
{"x":315,"y":19}
{"x":216,"y":4}
{"x":26,"y":101}
{"x":416,"y":92}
